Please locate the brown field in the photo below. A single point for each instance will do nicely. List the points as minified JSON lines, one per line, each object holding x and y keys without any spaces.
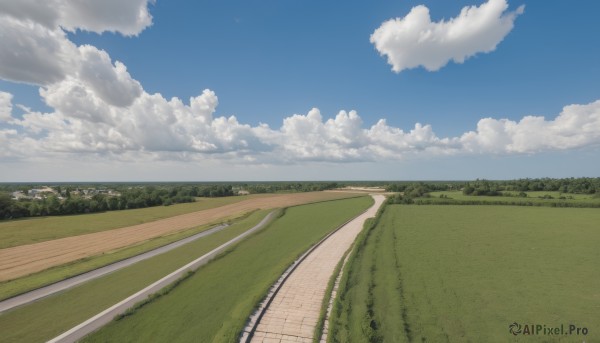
{"x":27,"y":259}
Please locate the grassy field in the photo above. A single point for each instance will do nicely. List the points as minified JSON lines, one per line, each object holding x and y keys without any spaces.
{"x":33,"y":230}
{"x":214,"y":304}
{"x":33,"y":281}
{"x":532,"y":197}
{"x":51,"y":316}
{"x":465,"y":273}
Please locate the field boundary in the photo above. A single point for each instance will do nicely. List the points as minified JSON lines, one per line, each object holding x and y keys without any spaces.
{"x":352,"y":255}
{"x":322,"y":328}
{"x":250,"y":329}
{"x":184,"y":234}
{"x":106,"y":316}
{"x":62,"y":285}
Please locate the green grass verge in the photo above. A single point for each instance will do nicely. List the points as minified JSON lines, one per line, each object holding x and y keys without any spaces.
{"x":33,"y":230}
{"x":465,"y":273}
{"x":214,"y":304}
{"x":48,"y":276}
{"x":51,"y":316}
{"x":358,"y":311}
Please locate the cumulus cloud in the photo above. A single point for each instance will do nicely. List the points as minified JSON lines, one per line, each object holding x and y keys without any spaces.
{"x":126,"y":17}
{"x":576,"y":126}
{"x":155,"y":127}
{"x":32,"y":53}
{"x":5,"y":106}
{"x":111,"y":82}
{"x":99,"y":109}
{"x":36,"y":50}
{"x":415,"y":40}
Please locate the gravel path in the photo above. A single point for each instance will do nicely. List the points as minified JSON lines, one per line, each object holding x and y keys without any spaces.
{"x":293,"y":313}
{"x":39,"y":293}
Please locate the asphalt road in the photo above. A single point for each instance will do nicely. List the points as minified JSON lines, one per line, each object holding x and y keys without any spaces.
{"x":107,"y":315}
{"x":39,"y":293}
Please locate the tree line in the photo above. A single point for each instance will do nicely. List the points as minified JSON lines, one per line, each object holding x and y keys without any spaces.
{"x":68,"y":199}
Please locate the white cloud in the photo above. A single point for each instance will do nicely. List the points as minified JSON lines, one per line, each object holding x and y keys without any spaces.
{"x":415,"y":40}
{"x":112,"y":83}
{"x":577,"y":126}
{"x":32,"y":53}
{"x":36,"y":50}
{"x":99,"y":110}
{"x":153,"y":127}
{"x":126,"y":17}
{"x":5,"y":106}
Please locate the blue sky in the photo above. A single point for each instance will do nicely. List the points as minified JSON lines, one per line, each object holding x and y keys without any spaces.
{"x":267,"y":61}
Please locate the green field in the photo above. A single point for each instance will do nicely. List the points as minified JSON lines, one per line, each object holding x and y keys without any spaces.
{"x":51,"y":316}
{"x":533,"y":198}
{"x":33,"y":230}
{"x":214,"y":304}
{"x":465,"y":273}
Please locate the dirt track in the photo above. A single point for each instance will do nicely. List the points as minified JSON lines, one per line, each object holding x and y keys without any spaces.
{"x":27,"y":259}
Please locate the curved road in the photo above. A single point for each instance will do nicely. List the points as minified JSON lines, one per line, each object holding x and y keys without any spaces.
{"x":293,"y":312}
{"x":39,"y":293}
{"x":107,"y":315}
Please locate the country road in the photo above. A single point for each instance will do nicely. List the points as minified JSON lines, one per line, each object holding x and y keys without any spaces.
{"x":293,"y":312}
{"x":42,"y":292}
{"x":107,"y":315}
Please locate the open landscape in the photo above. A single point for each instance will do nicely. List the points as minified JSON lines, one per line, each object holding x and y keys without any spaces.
{"x":26,"y":259}
{"x":299,"y":171}
{"x":447,"y":261}
{"x":465,"y":273}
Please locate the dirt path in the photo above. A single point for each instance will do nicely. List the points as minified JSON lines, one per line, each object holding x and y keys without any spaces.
{"x":292,"y":315}
{"x":26,"y":259}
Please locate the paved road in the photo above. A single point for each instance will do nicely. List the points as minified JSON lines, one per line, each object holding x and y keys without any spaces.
{"x":39,"y":293}
{"x":294,"y":311}
{"x":107,"y":315}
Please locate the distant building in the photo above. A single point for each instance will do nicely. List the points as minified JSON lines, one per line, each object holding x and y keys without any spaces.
{"x":18,"y":195}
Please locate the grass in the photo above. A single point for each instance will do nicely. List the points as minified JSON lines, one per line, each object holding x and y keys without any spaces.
{"x":53,"y":315}
{"x":465,"y":273}
{"x":48,"y":276}
{"x":213,"y":304}
{"x":39,"y":229}
{"x":533,"y":198}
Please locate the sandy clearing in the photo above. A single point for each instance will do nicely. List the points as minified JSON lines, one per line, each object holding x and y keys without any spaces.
{"x":26,"y":259}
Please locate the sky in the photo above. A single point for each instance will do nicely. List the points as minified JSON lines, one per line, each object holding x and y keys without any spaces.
{"x":298,"y":90}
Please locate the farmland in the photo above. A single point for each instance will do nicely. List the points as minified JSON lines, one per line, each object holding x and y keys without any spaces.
{"x":214,"y":303}
{"x":27,"y":259}
{"x":37,"y":322}
{"x":33,"y":230}
{"x":539,"y":198}
{"x":465,"y":273}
